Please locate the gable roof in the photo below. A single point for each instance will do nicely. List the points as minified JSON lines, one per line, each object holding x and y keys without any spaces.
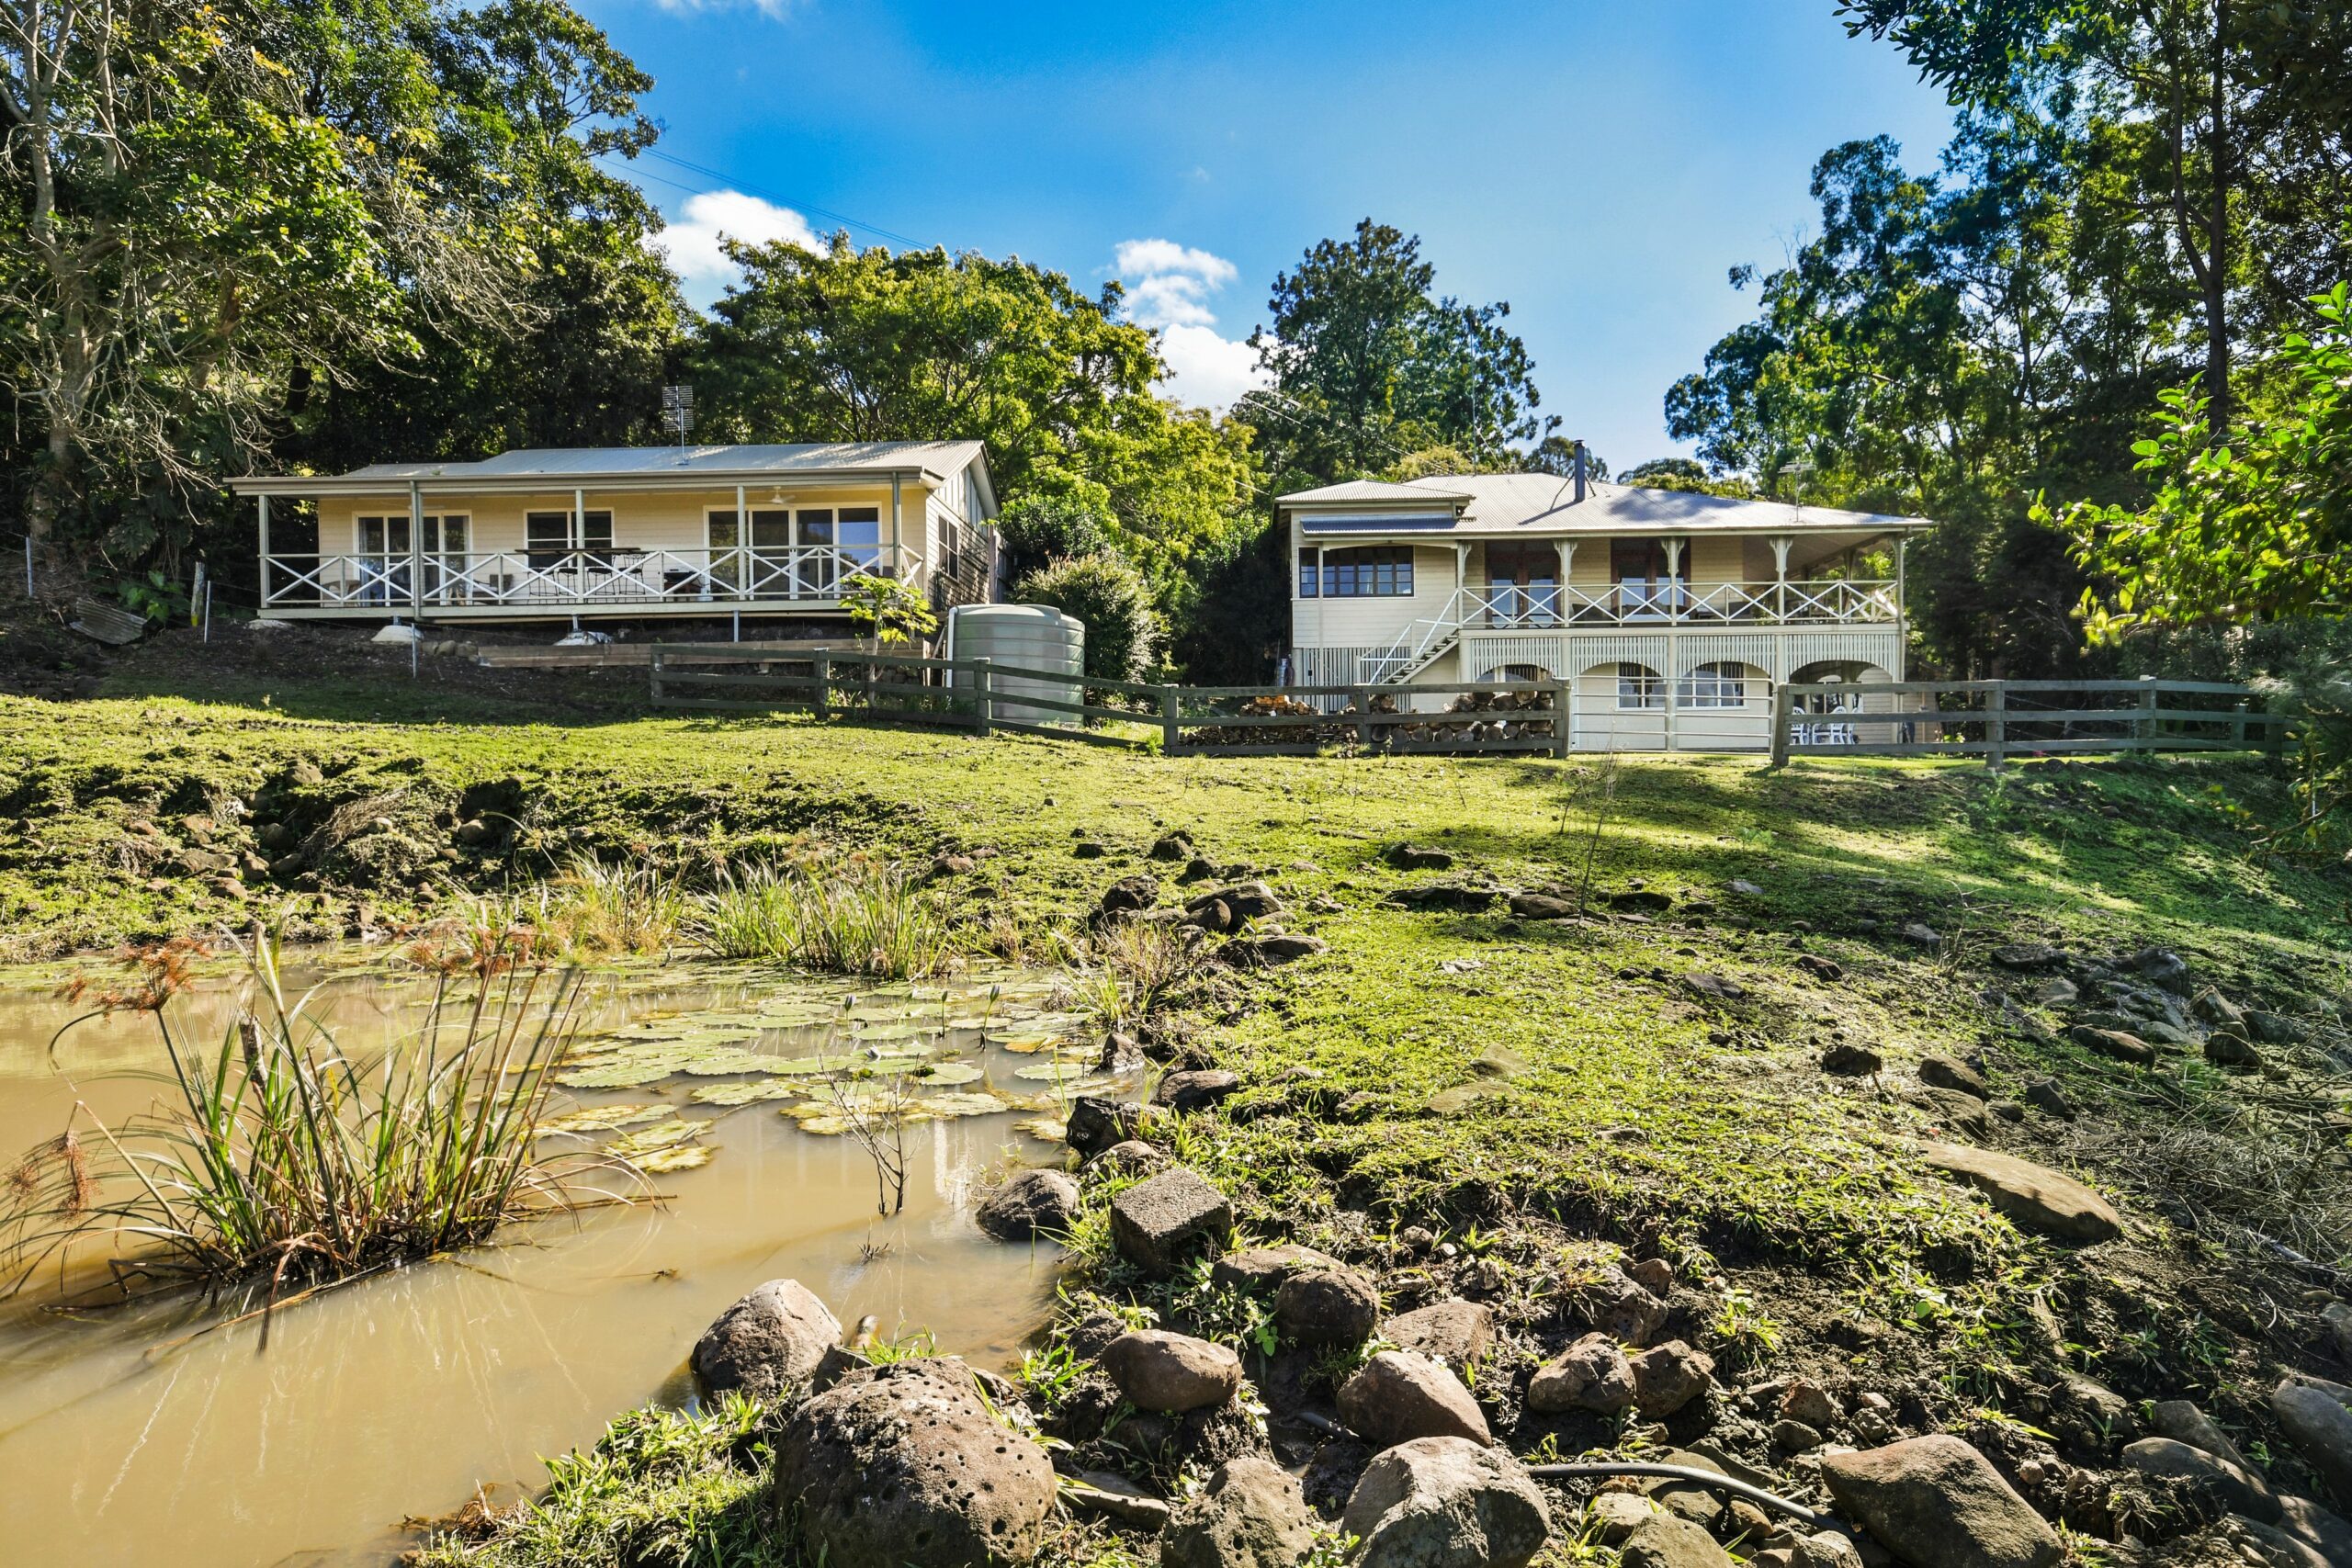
{"x":1488,"y":504}
{"x":648,"y":466}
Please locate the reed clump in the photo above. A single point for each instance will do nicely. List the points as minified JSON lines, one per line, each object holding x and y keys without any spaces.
{"x":601,"y":910}
{"x":282,"y":1157}
{"x":853,"y":915}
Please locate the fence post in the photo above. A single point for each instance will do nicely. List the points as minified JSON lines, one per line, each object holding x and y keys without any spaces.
{"x":2147,"y":725}
{"x":1168,"y":711}
{"x":1561,"y":739}
{"x":654,"y":661}
{"x":1362,"y":697}
{"x":1997,"y":724}
{"x":823,"y":664}
{"x":1780,"y":721}
{"x":981,"y":702}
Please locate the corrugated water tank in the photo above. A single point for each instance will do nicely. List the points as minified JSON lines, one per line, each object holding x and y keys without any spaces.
{"x":1023,"y":637}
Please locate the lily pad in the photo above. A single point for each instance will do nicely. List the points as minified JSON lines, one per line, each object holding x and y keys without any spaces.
{"x":681,"y":1156}
{"x":662,"y":1135}
{"x":1054,"y":1072}
{"x":948,"y":1074}
{"x":972,"y":1104}
{"x":1022,"y":1044}
{"x":600,"y":1118}
{"x":745,"y":1093}
{"x":1046,"y":1129}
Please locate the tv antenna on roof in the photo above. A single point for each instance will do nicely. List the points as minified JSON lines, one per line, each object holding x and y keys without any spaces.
{"x":678,"y":410}
{"x":1799,"y":467}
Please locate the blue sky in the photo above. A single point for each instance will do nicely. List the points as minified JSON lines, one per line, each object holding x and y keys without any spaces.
{"x":1600,"y":165}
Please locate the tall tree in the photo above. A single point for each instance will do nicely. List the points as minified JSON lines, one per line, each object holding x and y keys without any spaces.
{"x":845,"y":345}
{"x":2230,"y":120}
{"x":1369,"y":365}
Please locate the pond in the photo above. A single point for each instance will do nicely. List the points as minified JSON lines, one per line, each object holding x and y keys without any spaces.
{"x":159,"y":1427}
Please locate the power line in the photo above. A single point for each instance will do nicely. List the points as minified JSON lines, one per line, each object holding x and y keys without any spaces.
{"x":748,"y":187}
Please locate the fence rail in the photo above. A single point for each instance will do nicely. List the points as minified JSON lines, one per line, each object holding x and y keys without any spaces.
{"x":1989,"y":719}
{"x":1999,"y":719}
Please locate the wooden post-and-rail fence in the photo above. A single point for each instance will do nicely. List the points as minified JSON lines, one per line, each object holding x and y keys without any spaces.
{"x":1991,"y":719}
{"x":2000,"y":719}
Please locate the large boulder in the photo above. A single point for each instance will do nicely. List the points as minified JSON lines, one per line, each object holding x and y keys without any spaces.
{"x":2033,"y":1196}
{"x":1250,"y":1515}
{"x":906,"y":1465}
{"x":1173,"y":1372}
{"x":1453,"y":1331}
{"x":1322,"y":1309}
{"x":1663,"y":1541}
{"x":2238,"y":1491}
{"x":1591,"y":1375}
{"x":2307,"y":1521}
{"x":2320,"y":1428}
{"x":1399,"y":1397}
{"x":769,"y":1340}
{"x":2180,"y":1420}
{"x":1033,"y":1201}
{"x":1937,"y":1502}
{"x":1446,"y":1503}
{"x":1157,"y":1224}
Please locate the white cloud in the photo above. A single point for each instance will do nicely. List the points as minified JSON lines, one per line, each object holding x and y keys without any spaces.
{"x":1169,"y":287}
{"x":773,"y":10}
{"x":691,"y":241}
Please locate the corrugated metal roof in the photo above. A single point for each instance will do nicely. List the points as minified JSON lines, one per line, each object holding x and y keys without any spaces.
{"x":577,"y":463}
{"x":1546,"y":504}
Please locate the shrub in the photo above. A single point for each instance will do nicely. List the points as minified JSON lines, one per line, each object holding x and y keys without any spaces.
{"x":1037,"y":530}
{"x":1122,"y":630}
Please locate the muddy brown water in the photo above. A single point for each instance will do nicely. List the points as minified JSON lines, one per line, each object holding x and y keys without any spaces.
{"x":152,"y":1433}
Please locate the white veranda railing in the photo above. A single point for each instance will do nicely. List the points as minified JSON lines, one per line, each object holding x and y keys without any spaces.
{"x":608,"y":577}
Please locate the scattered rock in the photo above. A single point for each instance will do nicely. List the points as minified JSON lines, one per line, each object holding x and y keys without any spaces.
{"x":1714,"y":987}
{"x":2337,"y":1316}
{"x":1847,"y":1059}
{"x":771,"y":1338}
{"x":1592,"y":1374}
{"x":2163,"y":968}
{"x":1641,"y":900}
{"x":2237,"y":1490}
{"x":1171,"y":847}
{"x":839,"y":1361}
{"x":1281,"y":947}
{"x":1616,"y":1515}
{"x":1542,"y":907}
{"x":1250,"y":1515}
{"x":2275,"y":1027}
{"x":1130,"y":894}
{"x":1669,"y":1377}
{"x":2027,"y":955}
{"x":1131,"y":1157}
{"x":1618,"y":1307}
{"x":2227,"y":1048}
{"x":1961,"y":1112}
{"x":1158,"y":1222}
{"x":1465,"y":897}
{"x":1655,"y":1275}
{"x":1260,"y":1271}
{"x":1937,"y":1502}
{"x":1195,"y":1090}
{"x":1327,"y":1308}
{"x":2045,"y":1095}
{"x":1446,"y":1503}
{"x":1795,"y":1436}
{"x":2008,"y":1110}
{"x":1453,"y":1331}
{"x":1173,"y":1372}
{"x":1747,"y":889}
{"x":1419,"y":857}
{"x":2055,"y":992}
{"x":905,"y":1464}
{"x":1663,"y":1541}
{"x":1032,"y":1202}
{"x":2306,"y":1520}
{"x":2116,"y":1043}
{"x":1921,"y":934}
{"x":2320,"y":1425}
{"x":2031,"y":1195}
{"x":1400,"y":1396}
{"x":1944,"y":1073}
{"x":1821,"y":968}
{"x":2182,"y":1422}
{"x":1095,"y":1124}
{"x":1119,"y":1498}
{"x":1806,"y":1401}
{"x":1087,"y":849}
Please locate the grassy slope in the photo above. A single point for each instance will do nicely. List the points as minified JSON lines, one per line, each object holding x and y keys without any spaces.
{"x":1643,"y":1111}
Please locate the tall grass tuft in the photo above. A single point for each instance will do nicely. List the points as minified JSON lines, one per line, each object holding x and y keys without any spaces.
{"x":852,"y":915}
{"x":280,"y":1155}
{"x":596,"y":910}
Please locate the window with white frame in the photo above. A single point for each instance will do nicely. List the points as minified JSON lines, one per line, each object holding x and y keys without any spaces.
{"x":1639,"y":686}
{"x":1719,"y":685}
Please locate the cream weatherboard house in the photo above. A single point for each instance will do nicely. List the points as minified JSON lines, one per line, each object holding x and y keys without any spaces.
{"x":619,"y":534}
{"x":1672,"y":616}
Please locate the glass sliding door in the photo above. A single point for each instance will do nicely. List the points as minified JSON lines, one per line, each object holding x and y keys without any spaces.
{"x":755,"y":561}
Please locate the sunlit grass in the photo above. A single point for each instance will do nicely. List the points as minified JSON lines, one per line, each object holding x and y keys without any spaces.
{"x":853,"y":916}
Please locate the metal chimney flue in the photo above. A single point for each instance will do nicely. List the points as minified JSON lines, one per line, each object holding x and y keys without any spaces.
{"x":1579,"y":470}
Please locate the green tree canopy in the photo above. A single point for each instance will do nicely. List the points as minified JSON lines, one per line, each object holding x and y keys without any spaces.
{"x":1369,"y":365}
{"x":849,"y":344}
